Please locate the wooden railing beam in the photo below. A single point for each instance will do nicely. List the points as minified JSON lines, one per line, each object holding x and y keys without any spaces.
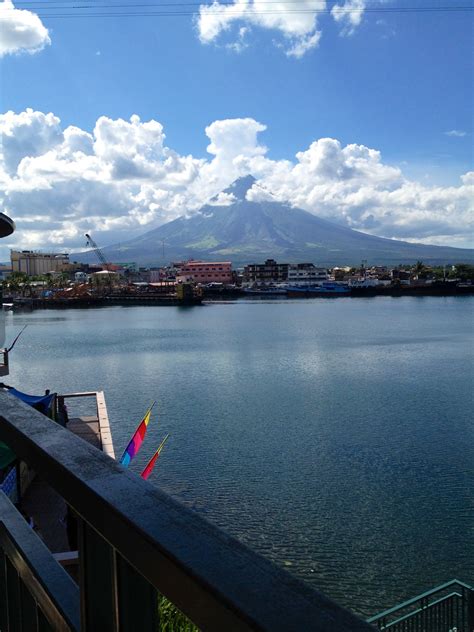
{"x":215,"y":580}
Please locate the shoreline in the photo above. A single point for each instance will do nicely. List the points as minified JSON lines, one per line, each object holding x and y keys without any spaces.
{"x":222,"y":296}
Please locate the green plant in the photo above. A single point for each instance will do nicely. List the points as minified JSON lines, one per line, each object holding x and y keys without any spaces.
{"x":172,"y":619}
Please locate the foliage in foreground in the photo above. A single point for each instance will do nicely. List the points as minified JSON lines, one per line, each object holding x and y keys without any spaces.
{"x":172,"y":619}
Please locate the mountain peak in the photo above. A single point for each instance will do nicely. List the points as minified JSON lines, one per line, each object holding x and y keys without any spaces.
{"x":240,"y":186}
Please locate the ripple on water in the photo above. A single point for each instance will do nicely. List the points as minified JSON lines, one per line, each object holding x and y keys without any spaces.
{"x":333,"y":437}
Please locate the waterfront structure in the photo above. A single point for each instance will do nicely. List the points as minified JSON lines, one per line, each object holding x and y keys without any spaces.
{"x":158,"y":275}
{"x":306,"y":274}
{"x":206,"y":272}
{"x":401,"y":276}
{"x":36,"y":263}
{"x":293,"y":273}
{"x":268,"y":272}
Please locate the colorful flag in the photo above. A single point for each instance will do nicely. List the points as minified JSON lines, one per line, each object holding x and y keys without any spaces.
{"x":151,"y":463}
{"x":137,"y":439}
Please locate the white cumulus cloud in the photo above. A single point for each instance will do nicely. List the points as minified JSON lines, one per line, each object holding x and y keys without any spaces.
{"x":21,"y":30}
{"x":297,"y":24}
{"x":121,"y":179}
{"x":349,"y":15}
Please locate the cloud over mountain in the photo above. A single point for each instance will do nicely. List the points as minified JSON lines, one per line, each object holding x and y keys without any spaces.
{"x":241,"y":226}
{"x":21,"y":30}
{"x":122,"y":178}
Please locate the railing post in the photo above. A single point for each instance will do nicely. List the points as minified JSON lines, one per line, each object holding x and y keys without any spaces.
{"x":29,"y":611}
{"x":137,"y":600}
{"x":13,"y":597}
{"x":470,"y":610}
{"x":3,"y":592}
{"x":114,"y":596}
{"x":97,"y":581}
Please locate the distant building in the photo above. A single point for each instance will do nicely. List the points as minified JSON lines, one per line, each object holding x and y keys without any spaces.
{"x":80,"y":277}
{"x":340,"y":274}
{"x":294,"y":273}
{"x":5,"y":272}
{"x":37,"y":263}
{"x":156,"y":275}
{"x":401,"y":275}
{"x":104,"y":277}
{"x":268,"y":272}
{"x":206,"y":272}
{"x":306,"y":274}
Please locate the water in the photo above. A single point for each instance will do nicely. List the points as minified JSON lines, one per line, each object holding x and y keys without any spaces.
{"x":333,"y":436}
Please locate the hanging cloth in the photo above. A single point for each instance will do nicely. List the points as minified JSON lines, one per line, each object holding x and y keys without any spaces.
{"x":40,"y":402}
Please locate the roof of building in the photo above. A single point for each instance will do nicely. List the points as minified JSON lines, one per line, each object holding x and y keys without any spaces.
{"x":207,"y":263}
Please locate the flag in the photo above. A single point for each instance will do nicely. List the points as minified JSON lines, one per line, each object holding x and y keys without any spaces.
{"x":137,"y":439}
{"x":151,"y":463}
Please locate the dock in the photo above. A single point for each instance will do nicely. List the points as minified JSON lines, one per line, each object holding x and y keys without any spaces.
{"x":40,"y":502}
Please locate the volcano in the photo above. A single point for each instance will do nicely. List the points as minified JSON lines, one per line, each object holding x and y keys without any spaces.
{"x":243,"y":231}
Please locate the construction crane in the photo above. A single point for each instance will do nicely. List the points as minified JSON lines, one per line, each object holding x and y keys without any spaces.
{"x":100,"y":255}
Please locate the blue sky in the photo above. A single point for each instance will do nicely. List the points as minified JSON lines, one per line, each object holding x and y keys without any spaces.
{"x":397,"y":84}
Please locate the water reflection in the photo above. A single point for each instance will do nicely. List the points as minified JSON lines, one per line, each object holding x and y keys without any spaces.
{"x":332,"y":436}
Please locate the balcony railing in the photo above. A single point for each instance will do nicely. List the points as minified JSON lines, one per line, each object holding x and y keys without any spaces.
{"x":446,"y":608}
{"x":136,"y":541}
{"x":34,"y":589}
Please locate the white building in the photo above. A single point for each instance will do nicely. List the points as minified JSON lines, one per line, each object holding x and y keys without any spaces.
{"x":306,"y":274}
{"x":80,"y":277}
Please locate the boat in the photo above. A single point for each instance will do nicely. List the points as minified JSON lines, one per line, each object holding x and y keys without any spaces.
{"x":267,"y":290}
{"x":324,"y":289}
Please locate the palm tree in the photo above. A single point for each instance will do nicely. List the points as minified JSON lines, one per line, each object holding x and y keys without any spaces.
{"x":63,"y":280}
{"x":418,"y":269}
{"x":16,"y":282}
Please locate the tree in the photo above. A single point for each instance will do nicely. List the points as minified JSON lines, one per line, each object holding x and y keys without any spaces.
{"x":419,"y":268}
{"x":463,"y":271}
{"x":17,"y":283}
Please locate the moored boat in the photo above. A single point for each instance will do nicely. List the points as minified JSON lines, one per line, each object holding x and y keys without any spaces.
{"x":268,"y":290}
{"x":324,"y":289}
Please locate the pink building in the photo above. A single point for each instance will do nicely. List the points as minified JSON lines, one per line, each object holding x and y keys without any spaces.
{"x":206,"y":272}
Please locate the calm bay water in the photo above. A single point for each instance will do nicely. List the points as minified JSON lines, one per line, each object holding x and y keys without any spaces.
{"x":333,"y":436}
